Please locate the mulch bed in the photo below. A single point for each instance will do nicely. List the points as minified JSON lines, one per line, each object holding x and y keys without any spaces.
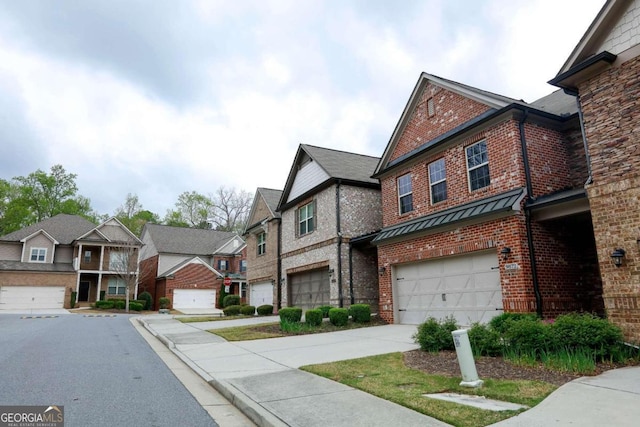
{"x":446,"y":363}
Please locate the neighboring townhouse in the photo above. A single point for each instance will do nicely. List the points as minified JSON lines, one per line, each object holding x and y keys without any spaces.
{"x":330,"y":209}
{"x":189,"y":265}
{"x":47,"y":264}
{"x":484,"y":208}
{"x":262,"y":235}
{"x":603,"y":71}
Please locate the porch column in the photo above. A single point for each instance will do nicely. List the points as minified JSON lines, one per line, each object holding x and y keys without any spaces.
{"x":100,"y":273}
{"x":78,"y":271}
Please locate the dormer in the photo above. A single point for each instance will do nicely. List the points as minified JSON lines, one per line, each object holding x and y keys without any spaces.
{"x":38,"y":247}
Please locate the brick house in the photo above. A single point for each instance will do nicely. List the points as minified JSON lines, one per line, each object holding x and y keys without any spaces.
{"x":484,"y":208}
{"x":46,"y":264}
{"x":262,"y":235}
{"x":603,"y":71}
{"x":330,"y":210}
{"x":188,"y":265}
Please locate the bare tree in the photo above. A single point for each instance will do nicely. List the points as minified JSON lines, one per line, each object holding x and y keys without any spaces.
{"x":123,"y":263}
{"x":231,"y":209}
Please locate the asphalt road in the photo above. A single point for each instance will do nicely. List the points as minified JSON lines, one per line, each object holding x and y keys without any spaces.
{"x":99,"y":368}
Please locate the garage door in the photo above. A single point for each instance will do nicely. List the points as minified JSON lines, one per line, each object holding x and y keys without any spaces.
{"x":261,"y":294}
{"x":466,"y":287}
{"x":310,"y":289}
{"x":194,"y":298}
{"x":31,"y":297}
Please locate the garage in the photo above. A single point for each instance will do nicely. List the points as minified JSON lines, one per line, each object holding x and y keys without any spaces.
{"x":31,"y":297}
{"x":194,"y":298}
{"x":261,"y":294}
{"x":310,"y":289}
{"x":466,"y":287}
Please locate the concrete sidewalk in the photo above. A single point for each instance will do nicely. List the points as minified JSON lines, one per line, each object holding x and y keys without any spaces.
{"x":261,"y":378}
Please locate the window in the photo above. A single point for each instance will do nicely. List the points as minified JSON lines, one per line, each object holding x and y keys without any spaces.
{"x":243,"y":290}
{"x":438,"y":181}
{"x":405,"y":196}
{"x":87,"y":256}
{"x":38,"y":255}
{"x":117,"y":286}
{"x":222,"y":264}
{"x":243,"y":265}
{"x":305,"y":219}
{"x":118,"y":261}
{"x":478,"y":165}
{"x":431,"y":109}
{"x":262,"y":243}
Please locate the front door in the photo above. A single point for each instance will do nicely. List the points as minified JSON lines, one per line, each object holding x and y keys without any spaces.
{"x":83,"y":292}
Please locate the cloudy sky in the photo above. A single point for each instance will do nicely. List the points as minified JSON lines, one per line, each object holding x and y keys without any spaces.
{"x":158,"y":97}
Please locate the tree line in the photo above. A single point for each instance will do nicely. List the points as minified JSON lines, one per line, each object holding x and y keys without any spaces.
{"x":26,"y":200}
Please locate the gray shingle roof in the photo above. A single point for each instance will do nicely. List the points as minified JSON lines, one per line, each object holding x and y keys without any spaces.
{"x":558,"y":103}
{"x":36,"y":267}
{"x":344,"y":165}
{"x":271,"y":197}
{"x":187,"y":241}
{"x":62,"y":227}
{"x":499,"y":203}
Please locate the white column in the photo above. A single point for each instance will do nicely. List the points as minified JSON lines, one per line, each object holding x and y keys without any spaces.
{"x":100,"y":272}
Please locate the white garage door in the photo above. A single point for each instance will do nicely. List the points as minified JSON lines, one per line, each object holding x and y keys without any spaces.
{"x":261,"y":294}
{"x":194,"y":298}
{"x":466,"y":287}
{"x":31,"y":297}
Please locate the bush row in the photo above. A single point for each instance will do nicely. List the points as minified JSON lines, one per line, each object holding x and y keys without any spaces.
{"x":524,"y":333}
{"x":120,"y":304}
{"x":360,"y":313}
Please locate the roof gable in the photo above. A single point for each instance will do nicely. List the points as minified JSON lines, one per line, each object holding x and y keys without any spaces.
{"x":315,"y":167}
{"x":195,"y":260}
{"x":490,"y":101}
{"x":40,"y":232}
{"x":233,"y":246}
{"x":602,"y":35}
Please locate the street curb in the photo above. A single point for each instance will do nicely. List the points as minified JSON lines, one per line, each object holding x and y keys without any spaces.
{"x":249,"y":407}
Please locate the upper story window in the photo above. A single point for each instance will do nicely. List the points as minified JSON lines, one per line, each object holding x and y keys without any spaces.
{"x":262,"y":243}
{"x":223,"y":264}
{"x":243,"y":265}
{"x":87,"y":256}
{"x":118,"y":261}
{"x":405,"y":194}
{"x":478,"y":165}
{"x":438,"y":181}
{"x":38,"y":255}
{"x":306,"y":219}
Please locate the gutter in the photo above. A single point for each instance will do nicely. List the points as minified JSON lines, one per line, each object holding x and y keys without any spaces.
{"x":279,"y":267}
{"x":527,"y":212}
{"x":339,"y":233}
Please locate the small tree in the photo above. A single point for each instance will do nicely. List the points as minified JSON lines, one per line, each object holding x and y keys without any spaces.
{"x":123,"y":262}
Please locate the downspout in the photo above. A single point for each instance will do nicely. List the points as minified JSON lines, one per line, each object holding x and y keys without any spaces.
{"x":527,"y":213}
{"x":339,"y":233}
{"x":279,"y":267}
{"x":584,"y":138}
{"x":351,"y":273}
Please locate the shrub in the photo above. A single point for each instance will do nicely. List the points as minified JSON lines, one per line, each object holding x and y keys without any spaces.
{"x":529,"y":336}
{"x":232,"y":310}
{"x":339,"y":316}
{"x":120,"y":304}
{"x":164,"y":302}
{"x":484,"y":341}
{"x":290,"y":314}
{"x":146,"y":296}
{"x":360,"y":313}
{"x":433,"y":335}
{"x":325,"y":310}
{"x":248,"y":310}
{"x":313,"y":317}
{"x":72,"y":303}
{"x":502,"y":322}
{"x":584,"y":331}
{"x":265,"y":310}
{"x":135,"y":306}
{"x":231,"y":300}
{"x":105,"y":305}
{"x":221,"y":296}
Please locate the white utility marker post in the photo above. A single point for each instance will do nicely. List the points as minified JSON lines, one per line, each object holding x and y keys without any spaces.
{"x":465,"y":359}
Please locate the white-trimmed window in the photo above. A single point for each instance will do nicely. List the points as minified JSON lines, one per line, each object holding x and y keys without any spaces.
{"x":38,"y":255}
{"x":405,"y":194}
{"x":223,"y":265}
{"x":478,"y":165}
{"x":438,"y":181}
{"x":87,"y":256}
{"x":262,"y":243}
{"x":306,"y":219}
{"x":243,"y":265}
{"x":117,"y":286}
